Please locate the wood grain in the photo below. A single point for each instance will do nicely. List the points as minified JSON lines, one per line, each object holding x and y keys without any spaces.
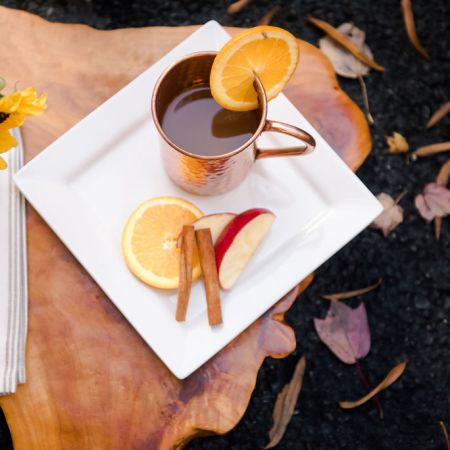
{"x":92,"y":382}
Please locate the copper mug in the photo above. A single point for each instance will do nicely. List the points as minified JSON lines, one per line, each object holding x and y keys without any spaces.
{"x":212,"y":175}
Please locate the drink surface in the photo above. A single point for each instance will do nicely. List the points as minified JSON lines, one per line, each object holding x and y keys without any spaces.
{"x":199,"y":125}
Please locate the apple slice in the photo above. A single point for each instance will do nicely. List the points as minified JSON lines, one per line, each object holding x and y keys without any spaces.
{"x":238,"y":241}
{"x":215,"y":222}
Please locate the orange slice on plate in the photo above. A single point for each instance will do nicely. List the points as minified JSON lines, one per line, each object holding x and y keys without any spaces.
{"x":270,"y":52}
{"x":149,"y":240}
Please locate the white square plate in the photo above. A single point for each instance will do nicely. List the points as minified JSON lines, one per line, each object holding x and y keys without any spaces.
{"x":109,"y":163}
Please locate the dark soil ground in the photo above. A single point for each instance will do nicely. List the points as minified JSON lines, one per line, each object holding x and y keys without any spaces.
{"x":409,"y":314}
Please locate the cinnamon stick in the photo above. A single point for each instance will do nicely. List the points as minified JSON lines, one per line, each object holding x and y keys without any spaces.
{"x":186,"y":256}
{"x":210,"y":276}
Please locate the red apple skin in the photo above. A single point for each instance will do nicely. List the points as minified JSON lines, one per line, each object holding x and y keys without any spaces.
{"x":230,"y":232}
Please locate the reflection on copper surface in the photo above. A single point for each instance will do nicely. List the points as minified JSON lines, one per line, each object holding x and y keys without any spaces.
{"x":212,"y":175}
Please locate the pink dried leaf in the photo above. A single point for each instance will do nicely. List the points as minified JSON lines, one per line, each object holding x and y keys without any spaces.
{"x":345,"y":331}
{"x":433,"y":202}
{"x":391,"y":216}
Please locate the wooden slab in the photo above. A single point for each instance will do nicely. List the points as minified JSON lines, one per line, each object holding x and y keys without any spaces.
{"x":92,"y":382}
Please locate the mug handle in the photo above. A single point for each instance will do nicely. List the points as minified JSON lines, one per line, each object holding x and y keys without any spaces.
{"x":309,"y":143}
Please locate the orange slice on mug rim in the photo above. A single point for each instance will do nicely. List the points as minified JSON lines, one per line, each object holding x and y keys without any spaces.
{"x":269,"y":52}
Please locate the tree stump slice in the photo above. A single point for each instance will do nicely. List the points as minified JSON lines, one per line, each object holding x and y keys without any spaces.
{"x":92,"y":382}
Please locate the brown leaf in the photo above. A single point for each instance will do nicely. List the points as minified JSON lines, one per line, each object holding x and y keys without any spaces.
{"x":347,"y":65}
{"x":344,"y":63}
{"x":438,"y":115}
{"x":432,"y":149}
{"x":354,"y":293}
{"x":444,"y":432}
{"x":392,"y":214}
{"x":444,"y":174}
{"x":410,"y":26}
{"x":347,"y":43}
{"x":437,"y":227}
{"x":285,"y":404}
{"x":267,"y":18}
{"x":397,"y":143}
{"x":238,"y":6}
{"x":433,"y":202}
{"x":393,"y":375}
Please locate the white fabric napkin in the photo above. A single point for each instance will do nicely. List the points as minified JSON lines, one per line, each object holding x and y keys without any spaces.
{"x":13,"y":275}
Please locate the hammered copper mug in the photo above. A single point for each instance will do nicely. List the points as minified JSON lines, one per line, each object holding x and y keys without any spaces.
{"x":211,"y":175}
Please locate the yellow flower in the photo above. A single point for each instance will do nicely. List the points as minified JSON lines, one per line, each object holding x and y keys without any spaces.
{"x":13,"y":109}
{"x":23,"y":102}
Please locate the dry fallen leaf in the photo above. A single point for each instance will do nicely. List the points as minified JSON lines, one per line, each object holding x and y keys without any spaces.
{"x":345,"y":42}
{"x":285,"y":404}
{"x":345,"y":331}
{"x":432,"y":149}
{"x":442,"y":179}
{"x":267,"y":18}
{"x":410,"y":26}
{"x":393,"y":375}
{"x":235,"y":7}
{"x":441,"y":112}
{"x":437,"y":227}
{"x":392,"y":214}
{"x":354,"y":293}
{"x":444,"y":432}
{"x":344,"y":62}
{"x":444,"y":174}
{"x":397,"y":143}
{"x":433,"y":202}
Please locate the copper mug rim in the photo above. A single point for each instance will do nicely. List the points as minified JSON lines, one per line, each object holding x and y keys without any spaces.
{"x":263,"y":107}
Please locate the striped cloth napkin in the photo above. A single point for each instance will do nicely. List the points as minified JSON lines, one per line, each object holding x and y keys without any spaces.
{"x":13,"y":275}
